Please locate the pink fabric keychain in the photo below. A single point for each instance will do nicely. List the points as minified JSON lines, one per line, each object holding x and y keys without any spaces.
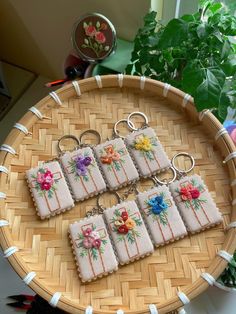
{"x":193,"y":199}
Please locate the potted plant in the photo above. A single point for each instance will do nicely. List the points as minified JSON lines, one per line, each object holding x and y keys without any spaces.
{"x":227,"y":280}
{"x":194,"y":53}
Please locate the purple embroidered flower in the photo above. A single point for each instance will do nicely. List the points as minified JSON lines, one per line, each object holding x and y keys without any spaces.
{"x":81,"y":165}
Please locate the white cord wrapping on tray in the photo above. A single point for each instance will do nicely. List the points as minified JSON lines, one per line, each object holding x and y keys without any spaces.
{"x":221,"y":132}
{"x":166,"y":89}
{"x":186,"y":100}
{"x":55,"y":299}
{"x":183,"y":298}
{"x":98,"y":80}
{"x":22,"y":128}
{"x":209,"y":278}
{"x":4,"y":169}
{"x":56,"y":98}
{"x":11,"y":250}
{"x":3,"y":223}
{"x":229,"y":157}
{"x":182,"y":311}
{"x":7,"y":148}
{"x":76,"y":87}
{"x":89,"y":310}
{"x":203,"y":113}
{"x":3,"y":195}
{"x":120,"y":79}
{"x":120,"y":312}
{"x":142,"y":82}
{"x":234,"y":202}
{"x":231,"y":225}
{"x":35,"y":111}
{"x":153,"y":309}
{"x":29,"y":277}
{"x":225,"y":255}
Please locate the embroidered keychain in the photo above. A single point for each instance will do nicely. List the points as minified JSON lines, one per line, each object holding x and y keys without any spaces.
{"x":115,"y":162}
{"x":49,"y":190}
{"x":145,"y":148}
{"x":81,"y":169}
{"x":127,"y":229}
{"x":193,"y":199}
{"x":92,"y":247}
{"x":160,"y":213}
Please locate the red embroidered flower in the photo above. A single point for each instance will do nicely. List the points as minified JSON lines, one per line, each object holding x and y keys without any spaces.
{"x":195,"y":193}
{"x":97,"y":243}
{"x":87,"y":232}
{"x":124,"y":216}
{"x":123,"y":229}
{"x":45,"y":186}
{"x":100,"y":37}
{"x":189,"y":192}
{"x":90,"y":30}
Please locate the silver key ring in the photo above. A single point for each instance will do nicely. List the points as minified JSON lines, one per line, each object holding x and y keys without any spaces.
{"x":183,"y":171}
{"x":101,"y":208}
{"x":165,"y":182}
{"x":136,"y":113}
{"x":74,"y":138}
{"x":115,"y":130}
{"x":90,"y":131}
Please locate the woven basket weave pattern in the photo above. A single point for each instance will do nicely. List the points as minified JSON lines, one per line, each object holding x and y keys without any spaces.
{"x":44,"y":245}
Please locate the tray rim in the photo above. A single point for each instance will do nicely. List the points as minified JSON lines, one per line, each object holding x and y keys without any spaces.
{"x":224,"y":143}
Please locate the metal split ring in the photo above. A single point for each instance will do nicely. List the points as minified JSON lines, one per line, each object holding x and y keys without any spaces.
{"x":90,"y":131}
{"x":115,"y":130}
{"x":165,"y":182}
{"x":136,"y":113}
{"x":183,"y":171}
{"x":74,"y":138}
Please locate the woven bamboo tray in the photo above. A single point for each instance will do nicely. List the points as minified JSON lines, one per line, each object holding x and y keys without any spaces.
{"x":44,"y":246}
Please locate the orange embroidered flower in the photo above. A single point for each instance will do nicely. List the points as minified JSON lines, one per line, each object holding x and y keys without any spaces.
{"x":111,"y":155}
{"x":130,"y":223}
{"x":189,"y":192}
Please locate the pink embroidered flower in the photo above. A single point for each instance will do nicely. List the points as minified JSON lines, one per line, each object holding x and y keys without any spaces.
{"x":48,"y":177}
{"x":100,"y":37}
{"x":45,"y":186}
{"x":40,"y":177}
{"x":95,"y":235}
{"x":88,"y":242}
{"x":90,"y":30}
{"x":87,"y":232}
{"x":195,"y":193}
{"x":97,"y":243}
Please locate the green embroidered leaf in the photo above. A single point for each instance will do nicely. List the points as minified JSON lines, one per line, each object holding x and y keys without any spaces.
{"x":94,"y":253}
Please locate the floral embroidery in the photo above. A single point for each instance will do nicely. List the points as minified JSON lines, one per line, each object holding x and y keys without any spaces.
{"x":91,"y":242}
{"x":190,"y":194}
{"x":81,"y":165}
{"x":158,"y":208}
{"x":45,"y":183}
{"x":95,"y":38}
{"x":125,"y":225}
{"x":145,"y":145}
{"x":112,"y":157}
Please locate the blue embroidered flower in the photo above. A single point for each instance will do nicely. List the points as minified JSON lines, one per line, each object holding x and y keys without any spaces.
{"x":157,"y":204}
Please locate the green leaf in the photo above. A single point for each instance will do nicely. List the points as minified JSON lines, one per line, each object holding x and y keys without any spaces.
{"x":226,"y":49}
{"x":192,"y":76}
{"x":175,"y":33}
{"x":98,"y":24}
{"x":85,"y":25}
{"x":215,"y":7}
{"x":229,"y":66}
{"x":208,"y":92}
{"x":86,"y":41}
